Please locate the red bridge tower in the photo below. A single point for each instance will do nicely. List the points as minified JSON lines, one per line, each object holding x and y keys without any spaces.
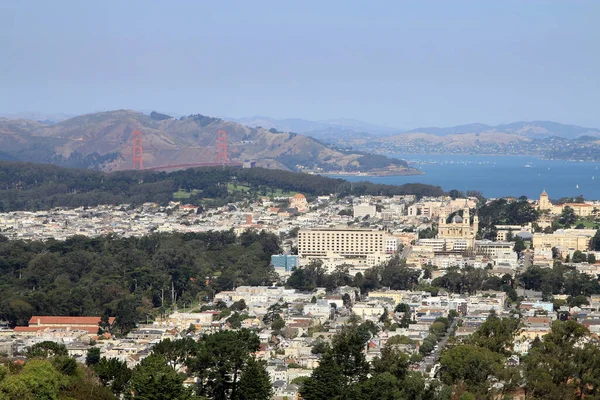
{"x":138,"y":152}
{"x":222,"y":147}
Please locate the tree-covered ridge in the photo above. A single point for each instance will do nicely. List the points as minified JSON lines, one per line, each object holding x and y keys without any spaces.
{"x":130,"y":278}
{"x":28,"y":186}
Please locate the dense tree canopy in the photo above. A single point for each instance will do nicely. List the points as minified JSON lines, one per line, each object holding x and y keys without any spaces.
{"x":558,"y":280}
{"x":344,"y":373}
{"x":27,"y":186}
{"x":504,"y":212}
{"x":130,"y":278}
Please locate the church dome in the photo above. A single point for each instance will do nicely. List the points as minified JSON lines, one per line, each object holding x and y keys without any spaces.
{"x":457,"y":219}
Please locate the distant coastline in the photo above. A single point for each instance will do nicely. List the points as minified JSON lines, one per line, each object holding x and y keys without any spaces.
{"x":375,"y":172}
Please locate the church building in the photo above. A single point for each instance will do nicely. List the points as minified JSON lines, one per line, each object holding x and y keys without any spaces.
{"x":459,"y":234}
{"x":580,"y":209}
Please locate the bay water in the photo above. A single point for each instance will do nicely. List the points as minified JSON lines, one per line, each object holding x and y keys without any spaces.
{"x":499,"y":176}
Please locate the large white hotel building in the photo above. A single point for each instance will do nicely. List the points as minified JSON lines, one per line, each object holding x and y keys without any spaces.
{"x":357,"y":247}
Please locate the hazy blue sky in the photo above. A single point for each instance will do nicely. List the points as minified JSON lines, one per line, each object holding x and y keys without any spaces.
{"x":396,"y":63}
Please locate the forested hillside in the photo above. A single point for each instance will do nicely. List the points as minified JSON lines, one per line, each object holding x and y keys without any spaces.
{"x":28,"y":186}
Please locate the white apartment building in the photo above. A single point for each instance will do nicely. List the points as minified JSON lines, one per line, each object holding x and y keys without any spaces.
{"x":436,"y":244}
{"x":502,"y":231}
{"x":360,"y":247}
{"x":391,"y":244}
{"x":362,"y":210}
{"x":493,"y":249}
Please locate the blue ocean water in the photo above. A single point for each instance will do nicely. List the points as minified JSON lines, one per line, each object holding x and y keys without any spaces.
{"x":500,"y":176}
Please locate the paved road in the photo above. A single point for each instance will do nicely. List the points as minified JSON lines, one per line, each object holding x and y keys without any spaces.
{"x":405,"y":252}
{"x":433,"y":357}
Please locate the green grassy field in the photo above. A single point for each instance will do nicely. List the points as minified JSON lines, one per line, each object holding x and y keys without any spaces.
{"x":182,"y":194}
{"x":280,"y":193}
{"x":588,"y":224}
{"x":233,"y":187}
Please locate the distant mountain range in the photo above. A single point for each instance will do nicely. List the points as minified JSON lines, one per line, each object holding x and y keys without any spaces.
{"x":533,"y":129}
{"x":103,"y":141}
{"x":337,"y":130}
{"x":544,"y":138}
{"x":329,"y":130}
{"x":38,"y":116}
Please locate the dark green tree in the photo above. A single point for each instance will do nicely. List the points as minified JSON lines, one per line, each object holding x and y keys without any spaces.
{"x":578,"y":257}
{"x":564,"y":364}
{"x":567,"y":216}
{"x":175,"y":353}
{"x":93,"y":356}
{"x":278,"y":324}
{"x":326,"y":382}
{"x":113,"y":374}
{"x":47,"y":349}
{"x":595,"y":241}
{"x":255,"y":383}
{"x":402,"y":308}
{"x":393,"y":361}
{"x":153,"y":379}
{"x":470,"y":365}
{"x":220,"y":361}
{"x":519,"y":244}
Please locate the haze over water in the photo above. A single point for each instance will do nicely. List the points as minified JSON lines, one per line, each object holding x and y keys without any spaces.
{"x":500,"y":176}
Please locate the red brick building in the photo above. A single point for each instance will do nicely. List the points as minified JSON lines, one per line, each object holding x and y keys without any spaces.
{"x":38,"y":323}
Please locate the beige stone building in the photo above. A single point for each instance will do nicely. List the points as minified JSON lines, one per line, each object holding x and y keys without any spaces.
{"x":580,"y":209}
{"x":565,"y":239}
{"x":433,"y":209}
{"x":459,"y":233}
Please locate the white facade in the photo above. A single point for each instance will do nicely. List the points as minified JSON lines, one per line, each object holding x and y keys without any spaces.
{"x":362,"y":210}
{"x":358,"y":247}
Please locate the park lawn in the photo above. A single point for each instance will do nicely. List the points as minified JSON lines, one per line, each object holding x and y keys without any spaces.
{"x":243,"y":188}
{"x":587,"y":223}
{"x":182,"y":194}
{"x":232,"y":188}
{"x":280,"y":193}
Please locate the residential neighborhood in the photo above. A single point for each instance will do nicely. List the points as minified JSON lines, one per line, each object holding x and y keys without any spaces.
{"x":432,"y":237}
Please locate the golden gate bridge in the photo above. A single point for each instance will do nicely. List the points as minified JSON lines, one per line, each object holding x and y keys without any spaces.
{"x":222,"y":160}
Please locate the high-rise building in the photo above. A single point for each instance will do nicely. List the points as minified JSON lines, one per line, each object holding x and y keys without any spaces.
{"x":359,"y":247}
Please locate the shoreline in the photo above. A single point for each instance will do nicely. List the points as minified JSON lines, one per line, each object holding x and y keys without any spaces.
{"x":416,"y":172}
{"x":538,"y":156}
